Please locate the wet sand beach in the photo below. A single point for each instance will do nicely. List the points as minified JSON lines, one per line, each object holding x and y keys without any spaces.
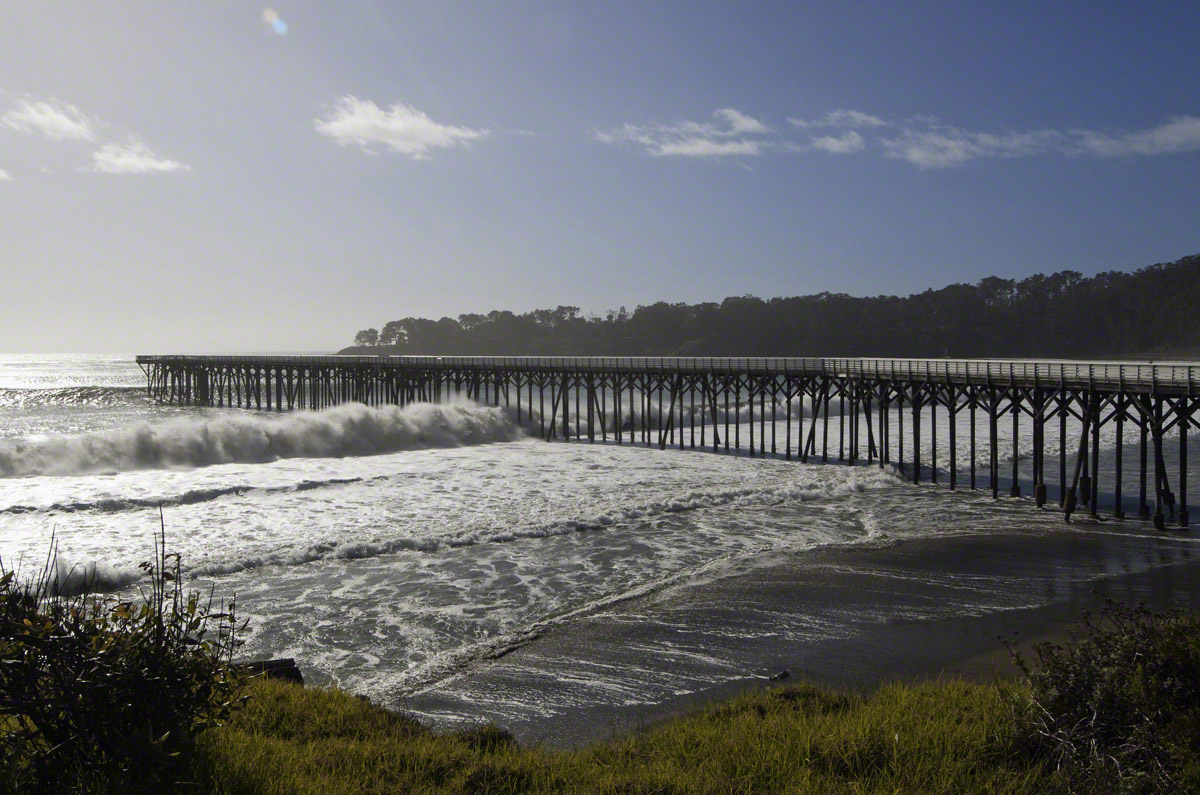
{"x":852,"y":616}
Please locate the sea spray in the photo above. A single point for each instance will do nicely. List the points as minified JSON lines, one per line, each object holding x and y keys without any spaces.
{"x":351,"y":429}
{"x":632,"y":416}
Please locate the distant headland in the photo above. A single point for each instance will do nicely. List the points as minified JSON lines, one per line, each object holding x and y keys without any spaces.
{"x":1144,"y":314}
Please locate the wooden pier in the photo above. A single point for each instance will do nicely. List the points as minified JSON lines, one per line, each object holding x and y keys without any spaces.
{"x":706,"y":402}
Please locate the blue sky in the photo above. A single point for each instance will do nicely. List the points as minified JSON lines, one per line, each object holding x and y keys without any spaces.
{"x":198,"y":176}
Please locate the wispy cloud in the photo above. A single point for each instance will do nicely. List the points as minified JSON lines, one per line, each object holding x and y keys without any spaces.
{"x":846,"y":119}
{"x":55,"y":120}
{"x":733,"y":133}
{"x":706,"y":147}
{"x":938,"y":146}
{"x":941,"y":146}
{"x":843,"y":144}
{"x":400,"y":128}
{"x":1178,"y":135}
{"x":133,"y":157}
{"x":59,"y":121}
{"x":739,"y":123}
{"x":926,"y":143}
{"x":4,"y":177}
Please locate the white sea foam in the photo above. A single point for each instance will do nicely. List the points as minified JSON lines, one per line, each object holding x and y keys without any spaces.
{"x":431,"y":539}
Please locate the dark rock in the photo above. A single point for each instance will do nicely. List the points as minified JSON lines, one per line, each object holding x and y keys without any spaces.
{"x":284,"y":668}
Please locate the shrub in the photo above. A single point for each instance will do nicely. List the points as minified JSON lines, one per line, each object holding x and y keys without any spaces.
{"x":100,"y":693}
{"x":1118,"y":707}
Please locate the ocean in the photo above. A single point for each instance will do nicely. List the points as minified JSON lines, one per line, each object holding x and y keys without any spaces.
{"x":391,"y":550}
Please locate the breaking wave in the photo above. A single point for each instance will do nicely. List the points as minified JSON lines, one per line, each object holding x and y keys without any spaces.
{"x":70,"y":579}
{"x":60,"y":577}
{"x":346,"y":430}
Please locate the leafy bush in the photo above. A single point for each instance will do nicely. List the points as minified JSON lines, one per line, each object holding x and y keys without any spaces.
{"x":99,"y":693}
{"x":1118,"y":707}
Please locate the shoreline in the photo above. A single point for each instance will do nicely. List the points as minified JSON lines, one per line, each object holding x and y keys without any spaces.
{"x":851,"y":617}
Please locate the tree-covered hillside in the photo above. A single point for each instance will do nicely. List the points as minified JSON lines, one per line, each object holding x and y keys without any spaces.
{"x":1151,"y":312}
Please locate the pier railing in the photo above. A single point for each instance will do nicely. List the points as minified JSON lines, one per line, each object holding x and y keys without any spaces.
{"x":1171,"y":377}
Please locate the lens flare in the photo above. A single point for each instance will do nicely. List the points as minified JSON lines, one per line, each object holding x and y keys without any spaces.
{"x":274,"y":21}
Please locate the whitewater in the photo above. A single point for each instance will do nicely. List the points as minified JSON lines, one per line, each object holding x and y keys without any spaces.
{"x":387,"y":548}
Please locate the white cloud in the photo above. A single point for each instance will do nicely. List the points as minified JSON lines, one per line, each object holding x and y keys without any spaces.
{"x":55,"y":120}
{"x":843,"y":118}
{"x":401,"y":128}
{"x":4,"y":177}
{"x":939,"y":146}
{"x":706,"y":147}
{"x":1178,"y":135}
{"x":731,"y":135}
{"x":740,"y":123}
{"x":923,"y":141}
{"x":59,"y":121}
{"x":629,"y":133}
{"x":843,"y":144}
{"x":927,"y":149}
{"x":132,"y":158}
{"x":943,"y":147}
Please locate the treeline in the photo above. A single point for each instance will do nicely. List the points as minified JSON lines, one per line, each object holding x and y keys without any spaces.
{"x":1151,"y":312}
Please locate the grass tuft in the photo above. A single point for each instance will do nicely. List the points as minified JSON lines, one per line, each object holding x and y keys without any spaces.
{"x":486,"y":739}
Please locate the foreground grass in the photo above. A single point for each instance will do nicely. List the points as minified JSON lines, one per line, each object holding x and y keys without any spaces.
{"x":933,"y":737}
